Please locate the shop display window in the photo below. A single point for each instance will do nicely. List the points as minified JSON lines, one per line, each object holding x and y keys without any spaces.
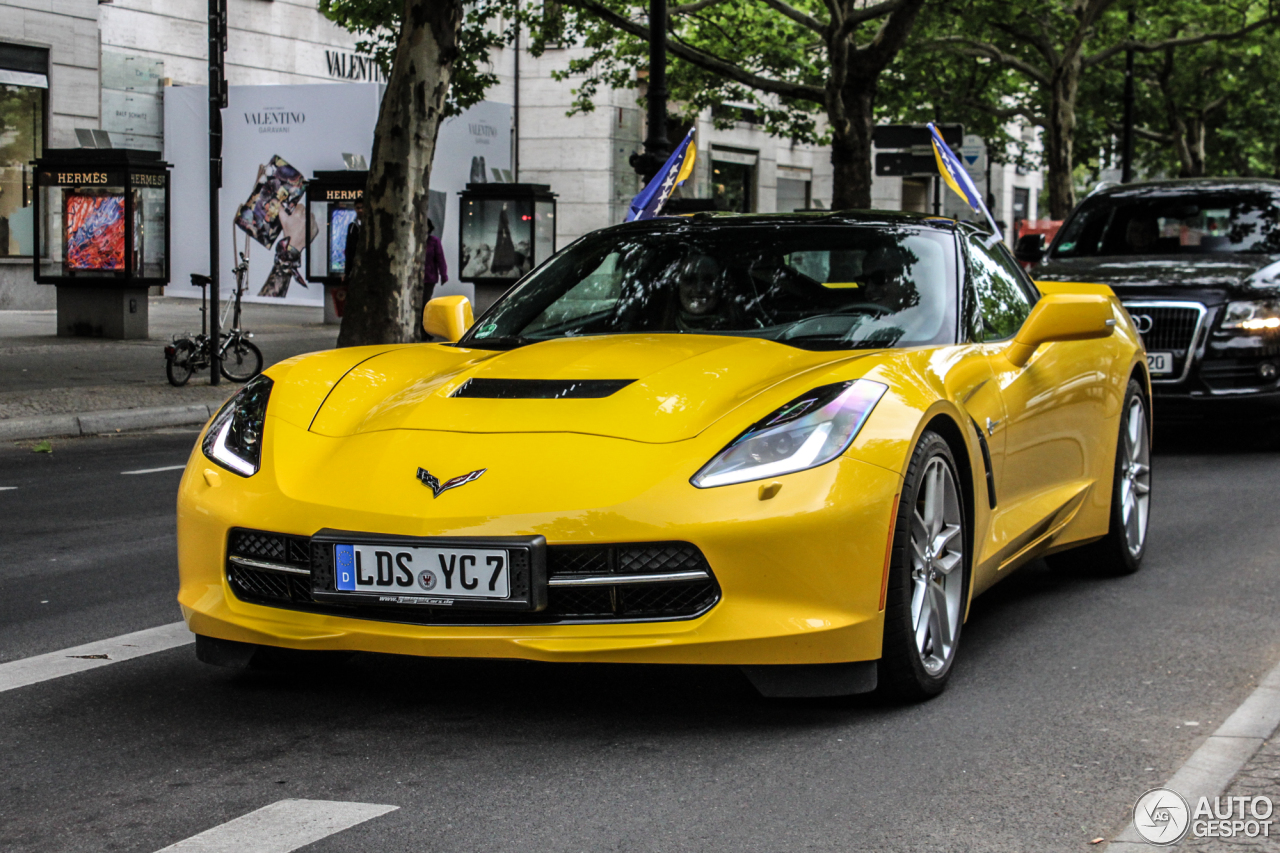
{"x":21,"y":141}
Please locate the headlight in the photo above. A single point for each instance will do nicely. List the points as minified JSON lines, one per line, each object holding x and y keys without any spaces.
{"x":811,"y":430}
{"x":234,"y":439}
{"x":1252,"y":316}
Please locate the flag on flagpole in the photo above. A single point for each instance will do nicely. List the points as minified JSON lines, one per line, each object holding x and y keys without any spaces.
{"x":953,"y":172}
{"x":679,"y":166}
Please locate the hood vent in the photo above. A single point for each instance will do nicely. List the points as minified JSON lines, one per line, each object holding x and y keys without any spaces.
{"x":540,"y":389}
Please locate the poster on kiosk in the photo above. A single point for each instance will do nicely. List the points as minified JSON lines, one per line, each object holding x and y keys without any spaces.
{"x":274,"y":139}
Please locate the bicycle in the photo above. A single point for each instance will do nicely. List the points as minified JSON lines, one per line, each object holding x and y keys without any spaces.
{"x":241,"y":358}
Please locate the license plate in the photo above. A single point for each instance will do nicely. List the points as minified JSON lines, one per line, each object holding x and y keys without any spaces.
{"x":1160,"y":363}
{"x":459,"y":573}
{"x":388,"y":570}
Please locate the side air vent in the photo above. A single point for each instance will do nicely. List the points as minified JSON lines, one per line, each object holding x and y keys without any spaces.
{"x":540,"y":389}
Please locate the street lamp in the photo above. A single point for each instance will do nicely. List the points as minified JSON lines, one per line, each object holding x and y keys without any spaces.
{"x":656,"y":145}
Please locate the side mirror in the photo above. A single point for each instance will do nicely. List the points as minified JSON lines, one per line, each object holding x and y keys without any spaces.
{"x":1062,"y":317}
{"x":1030,"y":248}
{"x":447,"y":317}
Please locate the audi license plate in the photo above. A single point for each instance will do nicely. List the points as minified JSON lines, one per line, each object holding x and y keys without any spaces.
{"x":486,"y":573}
{"x":1160,"y":363}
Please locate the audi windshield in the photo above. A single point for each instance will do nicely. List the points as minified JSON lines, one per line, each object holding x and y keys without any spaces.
{"x":1188,"y":223}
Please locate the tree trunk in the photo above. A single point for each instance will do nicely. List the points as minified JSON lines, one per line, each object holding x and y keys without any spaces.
{"x":851,"y":145}
{"x":387,"y":267}
{"x":1059,"y":137}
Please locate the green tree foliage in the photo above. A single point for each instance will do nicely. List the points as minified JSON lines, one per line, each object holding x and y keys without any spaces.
{"x":1059,"y":49}
{"x":809,"y":68}
{"x":1208,"y":109}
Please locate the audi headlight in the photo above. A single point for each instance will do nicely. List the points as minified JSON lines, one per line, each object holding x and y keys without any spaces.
{"x":1252,"y":316}
{"x":234,"y":439}
{"x":811,"y":430}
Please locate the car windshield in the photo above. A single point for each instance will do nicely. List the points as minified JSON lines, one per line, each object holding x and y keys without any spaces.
{"x":1172,"y":224}
{"x":808,"y":286}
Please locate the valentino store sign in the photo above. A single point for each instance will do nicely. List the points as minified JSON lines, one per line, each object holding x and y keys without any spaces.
{"x":353,"y":66}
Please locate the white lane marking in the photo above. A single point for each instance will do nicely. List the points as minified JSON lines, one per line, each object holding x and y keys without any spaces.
{"x":280,"y":827}
{"x":7,"y":488}
{"x":33,"y":670}
{"x":1210,"y":769}
{"x":155,"y":470}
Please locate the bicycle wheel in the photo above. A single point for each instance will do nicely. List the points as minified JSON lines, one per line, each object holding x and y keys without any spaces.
{"x":241,"y":360}
{"x":178,"y":367}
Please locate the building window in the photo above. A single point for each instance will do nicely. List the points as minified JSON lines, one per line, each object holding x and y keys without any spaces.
{"x":795,"y":189}
{"x":733,"y":179}
{"x":23,"y":85}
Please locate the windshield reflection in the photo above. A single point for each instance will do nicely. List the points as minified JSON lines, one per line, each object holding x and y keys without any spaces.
{"x":813,"y":287}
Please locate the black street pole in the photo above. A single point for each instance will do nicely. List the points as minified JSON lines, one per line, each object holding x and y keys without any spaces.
{"x":1126,"y":142}
{"x":656,"y":145}
{"x":217,"y":101}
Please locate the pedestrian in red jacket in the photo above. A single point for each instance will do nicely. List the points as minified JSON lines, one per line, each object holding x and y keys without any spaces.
{"x":435,"y":270}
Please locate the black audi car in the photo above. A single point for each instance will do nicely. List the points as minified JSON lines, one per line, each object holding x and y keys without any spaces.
{"x":1197,"y":263}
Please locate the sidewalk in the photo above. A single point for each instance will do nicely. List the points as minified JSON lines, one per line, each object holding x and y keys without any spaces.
{"x":1260,"y":777}
{"x":53,"y":386}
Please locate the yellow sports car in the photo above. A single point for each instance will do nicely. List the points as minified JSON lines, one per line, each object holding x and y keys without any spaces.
{"x":798,"y":444}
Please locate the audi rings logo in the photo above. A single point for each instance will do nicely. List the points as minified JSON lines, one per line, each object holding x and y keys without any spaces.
{"x":1161,"y":816}
{"x":1143,"y":322}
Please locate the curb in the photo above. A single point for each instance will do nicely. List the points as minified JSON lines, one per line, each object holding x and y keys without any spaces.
{"x":111,"y":420}
{"x":1213,"y":766}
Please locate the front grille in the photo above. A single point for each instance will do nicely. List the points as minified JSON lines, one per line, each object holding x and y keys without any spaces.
{"x":602,"y":602}
{"x":1172,"y":327}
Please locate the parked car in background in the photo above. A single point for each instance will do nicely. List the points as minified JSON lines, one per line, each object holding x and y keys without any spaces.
{"x":1197,"y":264}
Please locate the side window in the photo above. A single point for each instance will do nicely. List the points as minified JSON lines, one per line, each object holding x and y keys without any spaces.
{"x":1002,"y":300}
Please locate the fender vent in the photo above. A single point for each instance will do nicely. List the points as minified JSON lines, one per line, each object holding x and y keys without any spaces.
{"x":540,"y":389}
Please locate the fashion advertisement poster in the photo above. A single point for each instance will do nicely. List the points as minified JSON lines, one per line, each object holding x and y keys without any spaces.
{"x":274,"y":139}
{"x":94,"y":228}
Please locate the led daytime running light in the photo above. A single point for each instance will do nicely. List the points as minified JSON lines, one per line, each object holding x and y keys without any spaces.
{"x":809,"y":431}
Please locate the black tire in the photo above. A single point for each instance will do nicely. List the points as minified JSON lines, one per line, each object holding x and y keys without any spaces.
{"x":178,"y":366}
{"x":1112,"y":554}
{"x":241,"y":360}
{"x":903,"y":673}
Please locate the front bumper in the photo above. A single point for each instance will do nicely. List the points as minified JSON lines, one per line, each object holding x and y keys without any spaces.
{"x":799,"y":574}
{"x":1210,"y":365}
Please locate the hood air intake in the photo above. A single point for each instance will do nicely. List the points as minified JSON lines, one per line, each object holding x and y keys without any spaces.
{"x":540,"y":389}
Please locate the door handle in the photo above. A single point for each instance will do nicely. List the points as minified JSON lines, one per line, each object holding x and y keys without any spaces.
{"x":991,"y":426}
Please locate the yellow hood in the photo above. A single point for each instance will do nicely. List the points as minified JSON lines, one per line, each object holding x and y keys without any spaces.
{"x":680,"y":385}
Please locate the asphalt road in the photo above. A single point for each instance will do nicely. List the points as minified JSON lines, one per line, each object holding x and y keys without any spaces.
{"x":1072,"y":696}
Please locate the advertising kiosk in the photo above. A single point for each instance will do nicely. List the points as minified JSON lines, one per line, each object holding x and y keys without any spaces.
{"x":506,"y":230}
{"x":331,"y":209}
{"x":102,"y":236}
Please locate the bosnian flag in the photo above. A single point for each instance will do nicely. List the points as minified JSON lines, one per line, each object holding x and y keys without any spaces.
{"x":958,"y":179}
{"x":679,"y":166}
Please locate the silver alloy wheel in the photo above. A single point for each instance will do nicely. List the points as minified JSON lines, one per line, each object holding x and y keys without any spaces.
{"x":1135,"y":476}
{"x":937,"y":559}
